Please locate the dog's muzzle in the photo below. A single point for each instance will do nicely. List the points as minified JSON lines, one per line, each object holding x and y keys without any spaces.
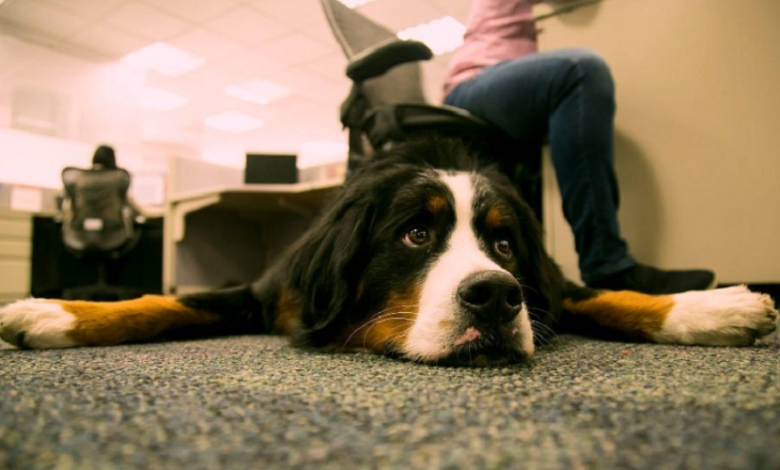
{"x":491,"y":298}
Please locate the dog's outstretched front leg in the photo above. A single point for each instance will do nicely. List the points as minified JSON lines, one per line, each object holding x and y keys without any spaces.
{"x":732,"y":316}
{"x":49,"y":323}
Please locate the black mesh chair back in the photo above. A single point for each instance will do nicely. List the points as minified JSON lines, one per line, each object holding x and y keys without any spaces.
{"x":97,"y":216}
{"x":357,"y":34}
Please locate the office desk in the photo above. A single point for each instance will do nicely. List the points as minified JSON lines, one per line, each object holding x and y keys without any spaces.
{"x":230,"y":235}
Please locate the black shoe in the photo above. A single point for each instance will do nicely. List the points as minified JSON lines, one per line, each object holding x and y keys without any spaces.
{"x":651,"y":280}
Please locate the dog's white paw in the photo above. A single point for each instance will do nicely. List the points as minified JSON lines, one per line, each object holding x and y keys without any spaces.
{"x":732,"y":316}
{"x":36,"y":323}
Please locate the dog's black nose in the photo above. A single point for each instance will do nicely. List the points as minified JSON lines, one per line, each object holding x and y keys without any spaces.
{"x":491,"y":296}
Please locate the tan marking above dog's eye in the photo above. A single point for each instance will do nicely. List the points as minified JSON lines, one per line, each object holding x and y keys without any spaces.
{"x":417,"y":236}
{"x":503,"y":248}
{"x":494,"y":218}
{"x":436,"y":205}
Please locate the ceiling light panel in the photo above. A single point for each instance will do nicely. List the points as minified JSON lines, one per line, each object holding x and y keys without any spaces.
{"x":258,"y":91}
{"x":442,"y":35}
{"x":165,"y":59}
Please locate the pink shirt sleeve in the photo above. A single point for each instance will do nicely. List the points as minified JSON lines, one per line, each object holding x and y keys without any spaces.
{"x":497,"y":30}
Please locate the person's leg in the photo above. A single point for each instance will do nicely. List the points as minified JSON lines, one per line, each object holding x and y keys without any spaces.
{"x":569,"y":96}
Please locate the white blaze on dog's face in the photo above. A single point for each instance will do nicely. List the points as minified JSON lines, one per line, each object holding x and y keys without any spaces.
{"x":469,"y":304}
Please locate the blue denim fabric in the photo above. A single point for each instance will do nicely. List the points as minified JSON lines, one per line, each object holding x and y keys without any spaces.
{"x":567,"y":96}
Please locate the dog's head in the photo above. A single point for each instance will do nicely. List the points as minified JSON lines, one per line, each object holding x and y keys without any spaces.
{"x":427,"y":257}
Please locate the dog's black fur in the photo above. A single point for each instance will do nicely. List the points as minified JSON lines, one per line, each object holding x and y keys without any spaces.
{"x":350,"y":242}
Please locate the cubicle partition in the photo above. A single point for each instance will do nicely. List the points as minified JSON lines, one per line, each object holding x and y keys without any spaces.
{"x":18,"y":205}
{"x":15,"y":249}
{"x":220,"y":232}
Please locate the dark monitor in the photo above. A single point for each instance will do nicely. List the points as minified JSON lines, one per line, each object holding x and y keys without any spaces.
{"x":270,"y":169}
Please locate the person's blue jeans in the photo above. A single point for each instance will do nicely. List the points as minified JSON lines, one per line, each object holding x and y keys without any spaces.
{"x":567,"y":96}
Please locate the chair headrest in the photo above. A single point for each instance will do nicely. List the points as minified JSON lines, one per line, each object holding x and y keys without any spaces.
{"x":115,"y":178}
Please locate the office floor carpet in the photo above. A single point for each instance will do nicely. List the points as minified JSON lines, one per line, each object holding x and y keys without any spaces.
{"x":255,"y":403}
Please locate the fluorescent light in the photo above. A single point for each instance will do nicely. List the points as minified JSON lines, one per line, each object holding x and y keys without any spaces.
{"x":355,"y":3}
{"x":165,"y":59}
{"x":161,"y":100}
{"x":233,"y":121}
{"x":257,"y":91}
{"x":441,"y":35}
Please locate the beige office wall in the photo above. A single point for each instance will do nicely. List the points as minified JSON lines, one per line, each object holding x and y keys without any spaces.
{"x":698,"y":131}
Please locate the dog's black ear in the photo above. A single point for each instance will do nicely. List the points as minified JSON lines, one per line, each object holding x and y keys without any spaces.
{"x":327,"y":264}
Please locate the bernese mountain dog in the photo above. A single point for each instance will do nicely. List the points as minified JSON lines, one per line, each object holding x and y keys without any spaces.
{"x":424,"y":256}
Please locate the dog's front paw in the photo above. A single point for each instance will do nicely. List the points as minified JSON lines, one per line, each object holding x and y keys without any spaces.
{"x":36,"y":323}
{"x":732,"y":316}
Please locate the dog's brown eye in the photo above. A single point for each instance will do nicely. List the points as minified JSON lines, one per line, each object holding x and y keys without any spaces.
{"x":417,"y":236}
{"x":503,"y":248}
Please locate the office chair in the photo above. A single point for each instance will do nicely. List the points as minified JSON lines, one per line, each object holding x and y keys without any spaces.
{"x":99,"y":225}
{"x":386,"y":104}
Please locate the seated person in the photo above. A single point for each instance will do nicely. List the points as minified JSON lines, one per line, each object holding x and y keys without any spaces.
{"x":97,"y":211}
{"x":105,"y":158}
{"x":569,"y":97}
{"x":100,"y":225}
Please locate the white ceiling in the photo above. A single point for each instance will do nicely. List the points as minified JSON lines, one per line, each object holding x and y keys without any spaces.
{"x":284,"y":41}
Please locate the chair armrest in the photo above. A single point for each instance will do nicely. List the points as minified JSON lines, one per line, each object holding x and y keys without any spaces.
{"x":379,"y":59}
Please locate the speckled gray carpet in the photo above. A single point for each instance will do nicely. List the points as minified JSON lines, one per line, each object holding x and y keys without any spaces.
{"x":255,"y":403}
